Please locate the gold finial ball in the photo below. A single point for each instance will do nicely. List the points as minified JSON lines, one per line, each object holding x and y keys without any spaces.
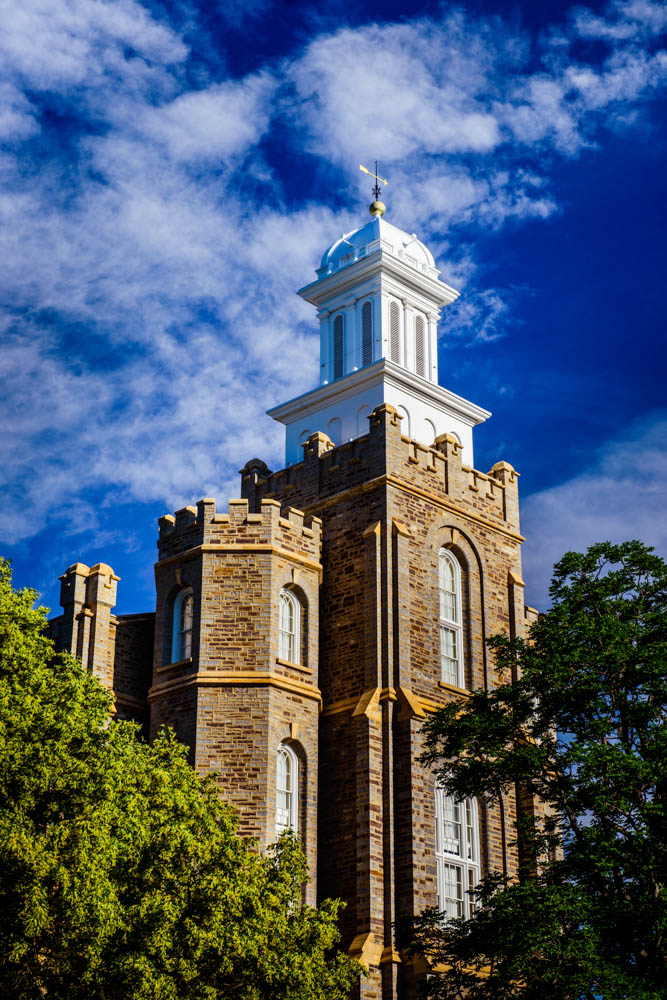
{"x":377,"y":208}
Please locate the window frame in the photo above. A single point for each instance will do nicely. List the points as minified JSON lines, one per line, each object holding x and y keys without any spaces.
{"x":291,"y":810}
{"x":463,"y":863}
{"x":450,"y":625}
{"x":181,"y":639}
{"x":292,"y":645}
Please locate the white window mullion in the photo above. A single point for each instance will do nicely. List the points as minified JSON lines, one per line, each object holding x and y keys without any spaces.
{"x":287,"y":789}
{"x":456,"y":854}
{"x":288,"y":627}
{"x":451,"y":631}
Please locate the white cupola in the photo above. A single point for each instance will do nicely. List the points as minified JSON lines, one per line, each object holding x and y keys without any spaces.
{"x":378,"y":296}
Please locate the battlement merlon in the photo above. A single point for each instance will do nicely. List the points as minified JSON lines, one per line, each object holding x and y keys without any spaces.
{"x":286,"y":528}
{"x":327,"y":471}
{"x":81,"y":585}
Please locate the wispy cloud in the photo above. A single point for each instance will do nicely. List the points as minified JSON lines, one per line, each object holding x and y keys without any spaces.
{"x":623,"y":495}
{"x":150,"y":258}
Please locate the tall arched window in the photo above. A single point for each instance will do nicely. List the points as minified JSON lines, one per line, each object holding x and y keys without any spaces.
{"x":366,"y":334}
{"x":287,"y":789}
{"x":394,"y":333}
{"x":289,"y":627}
{"x":456,"y":853}
{"x":451,"y":646}
{"x":338,"y":346}
{"x":420,"y":347}
{"x":181,"y":639}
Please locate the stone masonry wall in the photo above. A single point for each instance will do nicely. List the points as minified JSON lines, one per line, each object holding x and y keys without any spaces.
{"x":234,"y":700}
{"x":388,"y":505}
{"x":116,"y":649}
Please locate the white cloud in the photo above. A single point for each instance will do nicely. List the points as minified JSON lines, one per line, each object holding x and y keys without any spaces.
{"x":150,"y":267}
{"x":625,"y":20}
{"x":405,"y":88}
{"x":622,"y":496}
{"x":479,"y":317}
{"x":222,"y":121}
{"x":59,"y":45}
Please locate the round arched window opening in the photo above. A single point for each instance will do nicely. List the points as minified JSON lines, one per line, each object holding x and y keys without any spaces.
{"x":181,"y":642}
{"x":287,"y":789}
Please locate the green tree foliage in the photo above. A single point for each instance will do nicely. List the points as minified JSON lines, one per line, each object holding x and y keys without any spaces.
{"x":121,"y":874}
{"x":583,"y":729}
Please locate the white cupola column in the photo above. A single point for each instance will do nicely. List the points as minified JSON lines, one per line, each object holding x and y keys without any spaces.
{"x":433,"y":346}
{"x":324,"y":348}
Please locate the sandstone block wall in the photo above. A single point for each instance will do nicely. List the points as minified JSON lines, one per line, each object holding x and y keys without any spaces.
{"x":354,"y":532}
{"x":388,"y":505}
{"x":117,"y":649}
{"x":235,"y":700}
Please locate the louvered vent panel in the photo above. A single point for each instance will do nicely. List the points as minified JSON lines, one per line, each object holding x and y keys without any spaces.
{"x":367,"y":334}
{"x":420,"y":355}
{"x":394,"y":334}
{"x":338,"y":347}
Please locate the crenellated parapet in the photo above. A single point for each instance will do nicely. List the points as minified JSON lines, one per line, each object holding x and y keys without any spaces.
{"x":437,"y":469}
{"x":204,"y":525}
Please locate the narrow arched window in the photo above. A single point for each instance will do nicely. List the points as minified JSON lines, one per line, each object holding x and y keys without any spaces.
{"x":456,"y":853}
{"x":451,"y":652}
{"x":366,"y":334}
{"x":394,"y":333}
{"x":181,"y":642}
{"x":420,"y":347}
{"x":288,"y":633}
{"x":287,"y":789}
{"x":338,"y":346}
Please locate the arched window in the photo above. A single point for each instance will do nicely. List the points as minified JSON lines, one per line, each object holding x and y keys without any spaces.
{"x":181,"y":641}
{"x":338,"y":346}
{"x":451,"y":652}
{"x":420,"y":347}
{"x":456,"y":853}
{"x":287,"y":789}
{"x":394,"y":333}
{"x":366,"y":334}
{"x":289,"y":627}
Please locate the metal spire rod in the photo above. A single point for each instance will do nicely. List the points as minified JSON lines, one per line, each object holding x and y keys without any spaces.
{"x":376,"y":187}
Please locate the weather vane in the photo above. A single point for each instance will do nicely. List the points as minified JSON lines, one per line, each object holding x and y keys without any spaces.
{"x":378,"y":207}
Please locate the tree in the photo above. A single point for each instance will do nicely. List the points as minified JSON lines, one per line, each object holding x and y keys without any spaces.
{"x":583,"y":730}
{"x":121,"y":874}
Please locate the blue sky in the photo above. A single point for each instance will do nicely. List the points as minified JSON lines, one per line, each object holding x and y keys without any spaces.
{"x":171,"y":173}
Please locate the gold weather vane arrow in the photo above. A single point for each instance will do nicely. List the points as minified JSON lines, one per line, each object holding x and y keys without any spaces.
{"x":376,"y":186}
{"x":378,"y":207}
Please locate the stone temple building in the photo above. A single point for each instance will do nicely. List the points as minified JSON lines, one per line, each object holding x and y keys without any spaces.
{"x":302,"y":634}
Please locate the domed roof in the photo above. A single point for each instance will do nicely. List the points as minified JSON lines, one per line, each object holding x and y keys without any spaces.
{"x":350,"y":246}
